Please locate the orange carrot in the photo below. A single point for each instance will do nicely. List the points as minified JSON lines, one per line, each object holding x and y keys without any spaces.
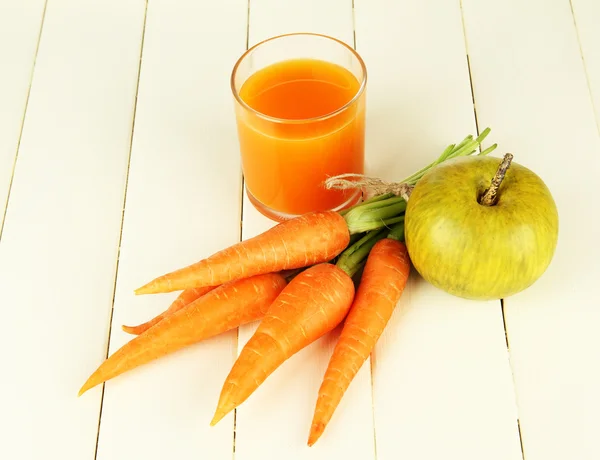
{"x":222,"y":309}
{"x":382,"y":283}
{"x":312,"y":304}
{"x":299,"y":242}
{"x":186,"y":297}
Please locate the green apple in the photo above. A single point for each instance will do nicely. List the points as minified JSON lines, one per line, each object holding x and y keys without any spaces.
{"x":480,"y":227}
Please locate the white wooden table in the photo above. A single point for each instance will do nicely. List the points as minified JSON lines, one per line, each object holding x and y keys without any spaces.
{"x":119,"y":162}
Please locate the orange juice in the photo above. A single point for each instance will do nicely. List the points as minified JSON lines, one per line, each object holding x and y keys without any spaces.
{"x":305,"y":123}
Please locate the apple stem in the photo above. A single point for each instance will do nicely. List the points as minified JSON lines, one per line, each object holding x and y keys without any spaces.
{"x":490,"y":196}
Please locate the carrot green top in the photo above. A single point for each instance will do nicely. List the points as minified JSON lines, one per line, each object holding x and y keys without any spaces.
{"x":355,"y":256}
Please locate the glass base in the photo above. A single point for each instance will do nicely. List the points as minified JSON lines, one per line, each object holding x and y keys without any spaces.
{"x":279,"y":216}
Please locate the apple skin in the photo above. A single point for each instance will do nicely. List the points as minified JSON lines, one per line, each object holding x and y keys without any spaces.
{"x":475,"y":251}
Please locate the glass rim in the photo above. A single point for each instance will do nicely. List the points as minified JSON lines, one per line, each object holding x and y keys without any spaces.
{"x":295,"y":121}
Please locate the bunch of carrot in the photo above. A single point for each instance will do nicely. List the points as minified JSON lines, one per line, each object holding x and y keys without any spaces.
{"x":297,"y":280}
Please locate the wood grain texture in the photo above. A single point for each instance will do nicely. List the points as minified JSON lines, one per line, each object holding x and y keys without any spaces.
{"x":586,"y":14}
{"x":183,"y":204}
{"x":59,"y":246}
{"x":269,"y":18}
{"x":441,"y":377}
{"x":275,"y":421}
{"x":20,"y":25}
{"x":530,"y":86}
{"x":168,"y":164}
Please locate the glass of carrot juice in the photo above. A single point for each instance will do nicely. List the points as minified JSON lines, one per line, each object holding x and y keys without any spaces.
{"x":300,"y":115}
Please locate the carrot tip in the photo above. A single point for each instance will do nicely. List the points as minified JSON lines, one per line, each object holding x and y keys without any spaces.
{"x":217,"y":417}
{"x":86,"y":386}
{"x":315,"y":433}
{"x":158,"y":286}
{"x":130,"y":329}
{"x":152,"y":287}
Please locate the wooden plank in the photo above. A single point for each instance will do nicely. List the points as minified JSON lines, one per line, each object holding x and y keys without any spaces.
{"x":441,"y":374}
{"x":530,"y":86}
{"x":269,"y":18}
{"x":587,"y":17}
{"x":183,"y":204}
{"x":59,"y":246}
{"x":20,"y":25}
{"x":275,"y":421}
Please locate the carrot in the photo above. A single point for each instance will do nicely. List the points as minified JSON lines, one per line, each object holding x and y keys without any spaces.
{"x":299,"y":242}
{"x":383,"y":281}
{"x":312,"y":304}
{"x":311,"y":238}
{"x":222,"y":309}
{"x":186,"y":297}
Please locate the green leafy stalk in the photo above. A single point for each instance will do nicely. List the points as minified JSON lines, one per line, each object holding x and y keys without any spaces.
{"x":488,"y":150}
{"x":371,"y":216}
{"x":468,"y":146}
{"x":397,"y":232}
{"x":371,"y":200}
{"x":387,"y":209}
{"x":353,"y":258}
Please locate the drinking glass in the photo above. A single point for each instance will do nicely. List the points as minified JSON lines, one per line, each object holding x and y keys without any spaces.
{"x":300,"y":117}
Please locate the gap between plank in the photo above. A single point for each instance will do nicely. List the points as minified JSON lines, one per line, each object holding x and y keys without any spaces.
{"x":373,"y":404}
{"x":585,"y":69}
{"x":114,"y":290}
{"x":242,"y":182}
{"x":472,"y":93}
{"x":513,"y":376}
{"x":372,"y":354}
{"x":472,"y":87}
{"x":237,"y":330}
{"x":14,"y":165}
{"x":353,"y":25}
